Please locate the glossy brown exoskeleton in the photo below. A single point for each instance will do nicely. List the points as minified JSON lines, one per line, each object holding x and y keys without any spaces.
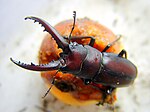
{"x":86,"y":62}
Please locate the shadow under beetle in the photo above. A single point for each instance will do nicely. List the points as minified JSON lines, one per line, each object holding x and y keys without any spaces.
{"x":86,"y":62}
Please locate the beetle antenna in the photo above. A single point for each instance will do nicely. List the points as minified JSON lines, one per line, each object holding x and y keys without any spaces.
{"x":74,"y":18}
{"x":52,"y":84}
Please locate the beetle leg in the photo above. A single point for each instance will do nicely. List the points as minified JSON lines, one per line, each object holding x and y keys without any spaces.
{"x":106,"y":92}
{"x":52,"y":84}
{"x":91,"y":43}
{"x":103,"y":99}
{"x":111,"y":44}
{"x":123,"y":52}
{"x":53,"y":65}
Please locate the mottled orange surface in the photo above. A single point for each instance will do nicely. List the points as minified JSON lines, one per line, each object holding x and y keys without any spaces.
{"x":78,"y":94}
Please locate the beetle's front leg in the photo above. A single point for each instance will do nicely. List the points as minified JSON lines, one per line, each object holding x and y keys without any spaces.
{"x":91,"y":43}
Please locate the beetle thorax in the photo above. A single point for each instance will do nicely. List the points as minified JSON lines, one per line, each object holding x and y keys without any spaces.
{"x":82,"y":61}
{"x":91,"y":64}
{"x":73,"y":58}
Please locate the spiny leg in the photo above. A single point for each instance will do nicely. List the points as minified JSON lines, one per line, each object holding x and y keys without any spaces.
{"x":107,"y":90}
{"x":123,"y":52}
{"x":111,"y":44}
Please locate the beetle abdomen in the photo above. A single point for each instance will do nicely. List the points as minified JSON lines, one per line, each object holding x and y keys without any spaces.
{"x":116,"y":71}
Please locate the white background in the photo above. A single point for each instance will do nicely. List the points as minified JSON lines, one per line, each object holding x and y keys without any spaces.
{"x":21,"y":90}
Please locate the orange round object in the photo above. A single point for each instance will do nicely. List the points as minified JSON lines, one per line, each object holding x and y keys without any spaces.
{"x":67,"y":87}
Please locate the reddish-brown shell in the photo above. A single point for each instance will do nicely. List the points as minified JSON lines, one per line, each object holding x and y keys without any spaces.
{"x":80,"y":94}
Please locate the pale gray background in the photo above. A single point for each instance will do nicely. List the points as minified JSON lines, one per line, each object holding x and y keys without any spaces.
{"x":21,"y":90}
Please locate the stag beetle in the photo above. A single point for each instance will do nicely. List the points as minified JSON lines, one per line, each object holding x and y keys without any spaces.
{"x":86,"y":62}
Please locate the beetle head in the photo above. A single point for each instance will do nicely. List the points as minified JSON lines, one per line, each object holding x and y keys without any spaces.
{"x":73,"y":58}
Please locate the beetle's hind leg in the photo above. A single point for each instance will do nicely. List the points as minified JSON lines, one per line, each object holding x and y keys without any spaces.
{"x":108,"y":91}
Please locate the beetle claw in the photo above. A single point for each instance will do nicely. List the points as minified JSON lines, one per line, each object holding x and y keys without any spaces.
{"x":62,"y":43}
{"x":53,"y":65}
